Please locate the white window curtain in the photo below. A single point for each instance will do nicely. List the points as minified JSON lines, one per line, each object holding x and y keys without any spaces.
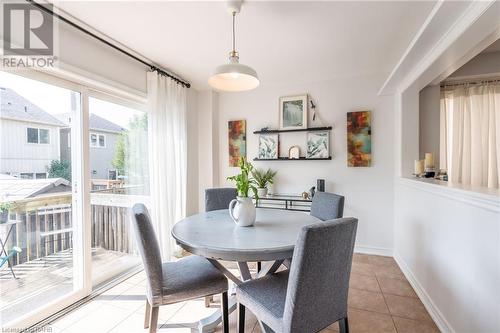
{"x":470,"y":133}
{"x":167,"y":161}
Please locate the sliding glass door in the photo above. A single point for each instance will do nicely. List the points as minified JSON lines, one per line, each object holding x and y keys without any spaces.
{"x":119,"y":178}
{"x":72,"y":164}
{"x":40,"y":228}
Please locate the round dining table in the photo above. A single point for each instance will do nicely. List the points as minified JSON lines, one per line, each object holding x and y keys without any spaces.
{"x":215,"y":236}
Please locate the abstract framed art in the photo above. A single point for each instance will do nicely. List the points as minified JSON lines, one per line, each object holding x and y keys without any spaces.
{"x":237,"y":141}
{"x":359,"y":139}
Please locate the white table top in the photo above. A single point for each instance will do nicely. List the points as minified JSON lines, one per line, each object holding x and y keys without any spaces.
{"x":215,"y":235}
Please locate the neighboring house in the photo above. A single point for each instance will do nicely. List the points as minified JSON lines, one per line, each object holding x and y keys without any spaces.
{"x":29,"y":137}
{"x":103,"y":136}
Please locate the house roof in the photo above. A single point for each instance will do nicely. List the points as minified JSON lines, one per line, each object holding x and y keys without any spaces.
{"x":19,"y":189}
{"x":16,"y":107}
{"x":96,"y":123}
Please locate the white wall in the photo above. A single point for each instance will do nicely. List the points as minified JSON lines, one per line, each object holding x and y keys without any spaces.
{"x":482,"y":64}
{"x":448,"y":244}
{"x":192,"y":154}
{"x":207,"y":145}
{"x":368,"y":191}
{"x":429,"y":122}
{"x":446,"y":239}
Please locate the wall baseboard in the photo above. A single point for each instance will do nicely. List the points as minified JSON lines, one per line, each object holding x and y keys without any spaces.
{"x":379,"y":251}
{"x":437,"y":316}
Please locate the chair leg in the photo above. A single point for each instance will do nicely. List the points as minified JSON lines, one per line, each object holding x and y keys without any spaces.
{"x":344,"y":325}
{"x":147,"y":315}
{"x":153,"y":323}
{"x":259,"y":266}
{"x":241,"y":318}
{"x":225,"y":312}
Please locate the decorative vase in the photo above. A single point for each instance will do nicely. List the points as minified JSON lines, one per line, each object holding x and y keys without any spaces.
{"x":242,"y":211}
{"x":262,"y":192}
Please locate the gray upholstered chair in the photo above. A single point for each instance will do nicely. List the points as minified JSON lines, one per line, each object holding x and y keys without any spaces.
{"x":313,"y":293}
{"x":171,"y":282}
{"x":327,"y":206}
{"x":219,"y":198}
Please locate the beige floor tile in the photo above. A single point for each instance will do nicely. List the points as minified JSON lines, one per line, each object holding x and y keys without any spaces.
{"x":165,"y":313}
{"x":404,"y":325}
{"x":361,"y":257}
{"x":370,"y":322}
{"x":99,"y":321}
{"x":366,"y":300}
{"x":407,"y":307}
{"x":391,"y":271}
{"x":396,"y":287}
{"x":250,"y":322}
{"x":134,"y":323}
{"x":381,"y":261}
{"x":75,"y":315}
{"x":364,"y":282}
{"x":362,"y":269}
{"x":191,"y":312}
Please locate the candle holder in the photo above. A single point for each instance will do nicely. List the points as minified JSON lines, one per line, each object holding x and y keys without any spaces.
{"x":430,"y":172}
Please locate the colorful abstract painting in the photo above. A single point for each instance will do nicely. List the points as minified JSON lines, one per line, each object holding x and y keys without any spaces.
{"x":237,"y":135}
{"x":359,"y":139}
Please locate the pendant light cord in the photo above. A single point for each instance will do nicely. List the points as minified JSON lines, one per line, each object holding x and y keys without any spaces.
{"x":234,"y":39}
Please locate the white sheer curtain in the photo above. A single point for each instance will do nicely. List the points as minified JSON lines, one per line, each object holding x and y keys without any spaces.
{"x":470,"y":133}
{"x":167,"y":160}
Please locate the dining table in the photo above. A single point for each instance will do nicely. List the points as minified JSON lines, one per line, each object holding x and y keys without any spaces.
{"x":215,"y":236}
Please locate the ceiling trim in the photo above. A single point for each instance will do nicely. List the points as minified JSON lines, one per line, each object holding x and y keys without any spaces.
{"x":423,"y":52}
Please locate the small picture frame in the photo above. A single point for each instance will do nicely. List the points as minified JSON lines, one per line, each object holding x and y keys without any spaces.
{"x":294,"y":152}
{"x":269,"y":146}
{"x":318,"y":144}
{"x":293,"y":112}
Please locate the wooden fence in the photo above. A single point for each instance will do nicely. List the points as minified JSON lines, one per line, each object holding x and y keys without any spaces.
{"x":45,"y":225}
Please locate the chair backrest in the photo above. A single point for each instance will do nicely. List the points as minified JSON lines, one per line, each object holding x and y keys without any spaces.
{"x":319,"y":275}
{"x":147,"y":243}
{"x":219,"y":198}
{"x":327,"y":206}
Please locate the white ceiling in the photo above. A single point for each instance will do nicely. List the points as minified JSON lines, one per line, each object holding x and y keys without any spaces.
{"x":284,"y":41}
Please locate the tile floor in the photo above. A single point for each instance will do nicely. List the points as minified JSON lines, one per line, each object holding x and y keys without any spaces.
{"x":380,"y":301}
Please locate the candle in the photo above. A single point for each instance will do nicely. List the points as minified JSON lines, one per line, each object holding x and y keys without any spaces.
{"x":429,"y":161}
{"x":419,"y":167}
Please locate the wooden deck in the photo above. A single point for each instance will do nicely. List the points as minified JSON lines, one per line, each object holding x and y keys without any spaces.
{"x":42,"y":280}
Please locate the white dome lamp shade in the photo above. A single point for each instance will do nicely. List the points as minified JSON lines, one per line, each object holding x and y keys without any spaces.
{"x":234,"y":76}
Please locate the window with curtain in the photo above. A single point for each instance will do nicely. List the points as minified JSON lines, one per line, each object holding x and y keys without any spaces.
{"x":470,"y":133}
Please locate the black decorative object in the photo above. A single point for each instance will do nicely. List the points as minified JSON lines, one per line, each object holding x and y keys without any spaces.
{"x":312,"y":191}
{"x":320,"y":183}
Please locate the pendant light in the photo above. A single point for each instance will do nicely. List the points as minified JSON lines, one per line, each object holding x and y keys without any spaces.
{"x":234,"y":76}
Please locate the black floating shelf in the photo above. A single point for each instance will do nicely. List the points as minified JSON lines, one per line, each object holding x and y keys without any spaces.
{"x":293,"y":159}
{"x":310,"y":129}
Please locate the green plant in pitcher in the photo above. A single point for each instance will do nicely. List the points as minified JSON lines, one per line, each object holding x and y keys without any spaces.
{"x":244,"y":181}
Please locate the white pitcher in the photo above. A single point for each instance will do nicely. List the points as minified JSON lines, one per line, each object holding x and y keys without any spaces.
{"x":242,"y":211}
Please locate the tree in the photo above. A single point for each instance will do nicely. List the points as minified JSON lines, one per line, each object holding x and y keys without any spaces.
{"x":125,"y":153}
{"x":119,"y":157}
{"x":60,"y":169}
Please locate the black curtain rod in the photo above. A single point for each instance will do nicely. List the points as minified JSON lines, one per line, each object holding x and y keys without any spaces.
{"x":76,"y":26}
{"x":463,"y":83}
